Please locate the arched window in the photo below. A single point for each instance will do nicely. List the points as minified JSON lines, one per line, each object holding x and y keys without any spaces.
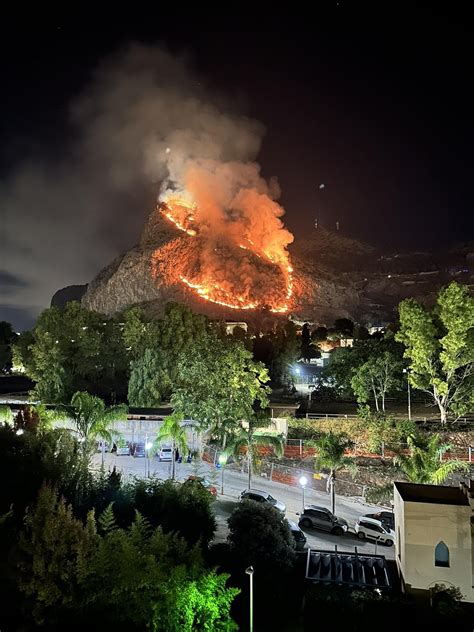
{"x":441,"y":554}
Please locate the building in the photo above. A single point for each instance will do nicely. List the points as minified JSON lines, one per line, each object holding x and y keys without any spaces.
{"x":231,"y":325}
{"x":434,"y":537}
{"x":353,"y":570}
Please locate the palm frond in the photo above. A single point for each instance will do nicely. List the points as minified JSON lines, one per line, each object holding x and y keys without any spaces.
{"x":447,"y":468}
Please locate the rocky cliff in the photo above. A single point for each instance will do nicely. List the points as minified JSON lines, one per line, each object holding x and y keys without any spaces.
{"x":334,"y":277}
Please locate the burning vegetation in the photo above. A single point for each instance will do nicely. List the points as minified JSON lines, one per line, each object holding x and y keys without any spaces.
{"x":235,"y":257}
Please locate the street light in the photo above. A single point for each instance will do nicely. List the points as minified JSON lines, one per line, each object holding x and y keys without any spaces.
{"x":303,"y":483}
{"x":249,"y":572}
{"x":222,"y":462}
{"x":407,"y":371}
{"x":148,"y":446}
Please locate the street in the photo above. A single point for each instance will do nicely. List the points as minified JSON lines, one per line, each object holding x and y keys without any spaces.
{"x":235,"y":482}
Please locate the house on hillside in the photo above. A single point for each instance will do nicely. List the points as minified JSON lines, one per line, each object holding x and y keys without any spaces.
{"x":434,"y":537}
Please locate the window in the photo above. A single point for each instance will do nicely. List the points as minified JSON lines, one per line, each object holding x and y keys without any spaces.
{"x":441,"y":555}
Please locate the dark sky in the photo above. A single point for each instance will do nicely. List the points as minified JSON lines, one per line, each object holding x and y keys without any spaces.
{"x":376,"y":104}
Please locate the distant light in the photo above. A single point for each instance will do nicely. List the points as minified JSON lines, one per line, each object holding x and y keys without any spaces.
{"x":303,"y":481}
{"x":321,"y":186}
{"x":389,"y":276}
{"x":20,"y":431}
{"x":168,"y":150}
{"x":148,"y":445}
{"x":297,"y":370}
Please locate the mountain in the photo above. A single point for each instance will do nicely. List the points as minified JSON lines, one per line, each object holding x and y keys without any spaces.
{"x":335,"y":276}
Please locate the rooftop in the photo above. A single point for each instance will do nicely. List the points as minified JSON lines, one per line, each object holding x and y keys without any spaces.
{"x":435,"y":494}
{"x":349,"y":569}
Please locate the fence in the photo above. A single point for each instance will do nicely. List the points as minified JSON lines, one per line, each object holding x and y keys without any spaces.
{"x":298,"y":448}
{"x":467,"y":421}
{"x":289,"y":474}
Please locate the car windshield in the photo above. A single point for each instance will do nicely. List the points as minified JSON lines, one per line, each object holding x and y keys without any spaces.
{"x":271,"y":500}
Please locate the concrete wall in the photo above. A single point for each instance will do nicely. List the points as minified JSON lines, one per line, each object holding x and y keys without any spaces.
{"x":419,"y":528}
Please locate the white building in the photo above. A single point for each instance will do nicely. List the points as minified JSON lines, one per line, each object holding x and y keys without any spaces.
{"x":434,"y":536}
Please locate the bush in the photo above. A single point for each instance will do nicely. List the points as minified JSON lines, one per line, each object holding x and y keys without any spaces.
{"x":259,"y":535}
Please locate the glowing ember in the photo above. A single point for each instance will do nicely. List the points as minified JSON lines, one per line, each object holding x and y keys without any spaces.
{"x":215,"y":270}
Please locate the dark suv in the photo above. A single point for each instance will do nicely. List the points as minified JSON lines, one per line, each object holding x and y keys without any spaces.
{"x":322,"y":518}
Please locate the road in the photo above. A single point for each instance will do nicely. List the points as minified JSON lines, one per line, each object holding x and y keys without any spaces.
{"x":235,"y":482}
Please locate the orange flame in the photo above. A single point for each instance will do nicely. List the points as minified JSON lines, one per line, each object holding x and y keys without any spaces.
{"x":180,"y":212}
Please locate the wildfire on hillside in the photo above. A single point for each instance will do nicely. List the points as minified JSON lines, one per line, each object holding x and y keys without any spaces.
{"x":237,"y":261}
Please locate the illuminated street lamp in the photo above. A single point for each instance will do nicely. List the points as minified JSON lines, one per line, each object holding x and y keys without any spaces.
{"x":407,"y":371}
{"x":303,"y":483}
{"x":249,"y":572}
{"x":148,"y":446}
{"x":222,"y":462}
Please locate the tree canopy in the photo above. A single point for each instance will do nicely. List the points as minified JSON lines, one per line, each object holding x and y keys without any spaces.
{"x":218,"y":383}
{"x":439,"y":345}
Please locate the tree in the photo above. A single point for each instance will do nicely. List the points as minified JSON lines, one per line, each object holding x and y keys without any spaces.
{"x":218,"y":383}
{"x":148,"y":380}
{"x":331,"y":450}
{"x":73,"y":349}
{"x":424,"y":464}
{"x":439,"y":345}
{"x":7,"y":337}
{"x":375,"y":378}
{"x":92,"y":419}
{"x":259,"y":535}
{"x":320,"y":334}
{"x":343,"y":327}
{"x":53,"y":544}
{"x":306,"y":350}
{"x":249,"y":440}
{"x":172,"y":431}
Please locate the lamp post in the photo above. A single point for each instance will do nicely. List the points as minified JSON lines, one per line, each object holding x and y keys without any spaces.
{"x":303,"y":483}
{"x":222,"y":462}
{"x":407,"y":371}
{"x":249,"y":572}
{"x":148,"y":446}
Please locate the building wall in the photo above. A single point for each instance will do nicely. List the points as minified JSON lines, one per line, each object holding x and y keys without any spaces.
{"x":420,"y":527}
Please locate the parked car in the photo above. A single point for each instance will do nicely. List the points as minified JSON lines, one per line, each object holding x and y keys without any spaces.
{"x":298,"y":535}
{"x":386,"y":517}
{"x":199,"y":480}
{"x":165,"y":454}
{"x":321,"y":518}
{"x":139,"y":450}
{"x":375,"y":530}
{"x":122,"y":448}
{"x":262,"y":497}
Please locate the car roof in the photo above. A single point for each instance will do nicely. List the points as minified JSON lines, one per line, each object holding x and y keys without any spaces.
{"x":317,"y":507}
{"x":255,"y":491}
{"x":373,"y":521}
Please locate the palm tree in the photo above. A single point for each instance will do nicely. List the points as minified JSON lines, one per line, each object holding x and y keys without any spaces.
{"x":92,"y":419}
{"x":172,"y":431}
{"x":331,"y":455}
{"x":424,"y":464}
{"x":249,"y":439}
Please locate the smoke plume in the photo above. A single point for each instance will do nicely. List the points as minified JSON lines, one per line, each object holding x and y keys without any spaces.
{"x":143,"y":127}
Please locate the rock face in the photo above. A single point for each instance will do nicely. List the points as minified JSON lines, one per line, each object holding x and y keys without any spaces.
{"x":334,"y":277}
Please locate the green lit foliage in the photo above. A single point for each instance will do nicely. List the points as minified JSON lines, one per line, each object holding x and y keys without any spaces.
{"x":155,"y":346}
{"x":331,"y":455}
{"x":173,"y":432}
{"x":259,"y":535}
{"x":248,"y":440}
{"x":6,"y":415}
{"x":92,"y":419}
{"x":424,"y":464}
{"x":439,"y":345}
{"x":148,"y":380}
{"x":375,"y":378}
{"x":52,"y":544}
{"x":218,"y":384}
{"x":73,"y":349}
{"x":138,"y":576}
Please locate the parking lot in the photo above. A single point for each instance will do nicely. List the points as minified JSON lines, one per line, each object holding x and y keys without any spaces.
{"x":235,"y":482}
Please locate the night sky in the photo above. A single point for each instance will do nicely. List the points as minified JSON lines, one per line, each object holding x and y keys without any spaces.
{"x":376,"y":104}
